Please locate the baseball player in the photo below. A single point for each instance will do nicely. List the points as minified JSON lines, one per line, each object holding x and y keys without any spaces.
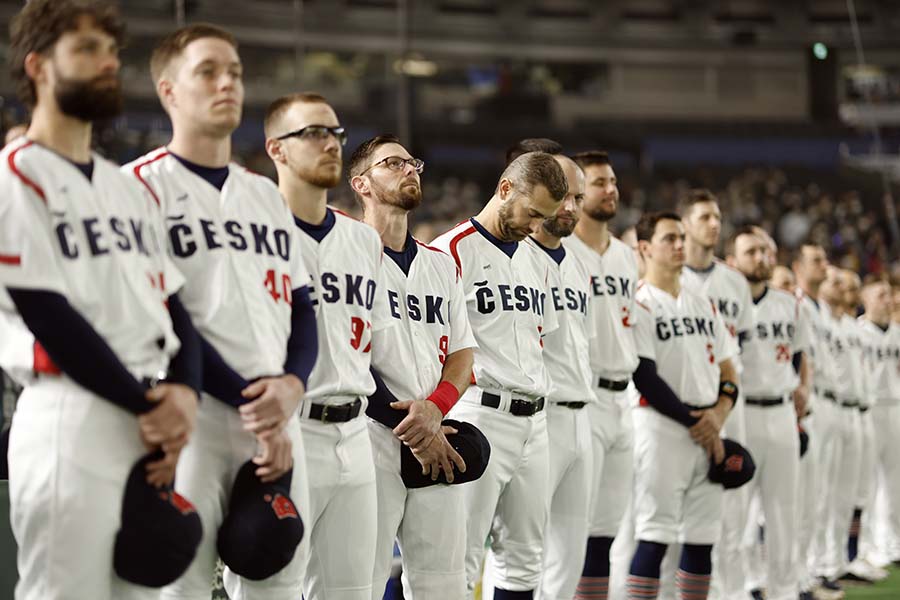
{"x":844,"y":465}
{"x":728,"y":290}
{"x":568,"y":429}
{"x":778,"y":339}
{"x":613,"y":272}
{"x":506,"y":285}
{"x":232,"y":236}
{"x":683,"y":339}
{"x":783,"y":279}
{"x":881,"y":337}
{"x":344,"y":257}
{"x":433,"y":338}
{"x":83,"y":265}
{"x":858,"y":567}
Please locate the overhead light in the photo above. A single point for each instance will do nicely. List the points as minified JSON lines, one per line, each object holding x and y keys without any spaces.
{"x":416,"y":66}
{"x":820,"y":50}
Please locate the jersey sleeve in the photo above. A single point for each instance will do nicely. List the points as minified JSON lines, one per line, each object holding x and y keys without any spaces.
{"x":551,"y":279}
{"x":642,"y":329}
{"x":725,"y":346}
{"x":300,"y":277}
{"x":381,"y":312}
{"x":27,"y":257}
{"x":803,"y":342}
{"x":745,"y":320}
{"x":461,"y":335}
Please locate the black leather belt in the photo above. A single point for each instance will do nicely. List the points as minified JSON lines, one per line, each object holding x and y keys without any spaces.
{"x":152,"y":382}
{"x":614,"y":386}
{"x":517,"y":406}
{"x":764,"y":401}
{"x":335,"y":413}
{"x":849,"y":403}
{"x":863,"y":409}
{"x":572,"y":405}
{"x":827,"y":394}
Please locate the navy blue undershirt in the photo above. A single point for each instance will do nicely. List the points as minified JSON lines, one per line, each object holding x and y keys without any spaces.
{"x":659,"y":395}
{"x":704,"y":271}
{"x":405,"y":257}
{"x":317,"y":232}
{"x":508,"y":248}
{"x":215,"y":176}
{"x":759,"y":298}
{"x":557,"y":254}
{"x":87,"y":169}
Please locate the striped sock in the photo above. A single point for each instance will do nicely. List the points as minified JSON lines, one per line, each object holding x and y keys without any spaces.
{"x":853,"y":539}
{"x":642,"y":588}
{"x":592,"y":588}
{"x":692,"y":586}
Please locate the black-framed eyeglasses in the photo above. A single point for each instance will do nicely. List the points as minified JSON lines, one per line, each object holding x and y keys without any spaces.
{"x":318,"y":133}
{"x":396,"y":163}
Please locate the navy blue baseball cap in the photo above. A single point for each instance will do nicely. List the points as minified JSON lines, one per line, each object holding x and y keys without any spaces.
{"x":159,"y":533}
{"x":469,"y":442}
{"x":262,"y":528}
{"x":804,"y":440}
{"x":737,"y":469}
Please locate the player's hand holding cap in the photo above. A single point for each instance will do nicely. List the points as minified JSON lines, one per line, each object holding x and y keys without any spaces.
{"x":262,"y":529}
{"x":737,"y":469}
{"x":469,"y":442}
{"x":159,"y":533}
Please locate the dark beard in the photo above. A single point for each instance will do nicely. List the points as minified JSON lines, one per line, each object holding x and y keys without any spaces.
{"x":754,"y":278}
{"x":598,"y":214}
{"x":554,"y":228}
{"x":86,"y":100}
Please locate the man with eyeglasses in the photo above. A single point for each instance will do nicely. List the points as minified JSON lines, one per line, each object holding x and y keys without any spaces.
{"x":343,"y":256}
{"x":421,"y":365}
{"x":507,"y":283}
{"x":246,"y":290}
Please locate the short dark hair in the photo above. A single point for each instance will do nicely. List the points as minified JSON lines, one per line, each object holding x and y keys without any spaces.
{"x":532,"y":145}
{"x":798,"y":253}
{"x":280,"y":105}
{"x":591,"y":157}
{"x":171,"y":46}
{"x":538,"y":168}
{"x":40,"y":24}
{"x":359,"y":160}
{"x":646,"y":225}
{"x":695,"y":196}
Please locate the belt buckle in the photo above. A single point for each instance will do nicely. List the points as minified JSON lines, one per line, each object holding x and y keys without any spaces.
{"x":324,"y":416}
{"x":158,"y":378}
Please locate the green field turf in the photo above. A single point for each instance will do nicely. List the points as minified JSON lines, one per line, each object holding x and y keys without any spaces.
{"x":888,"y":589}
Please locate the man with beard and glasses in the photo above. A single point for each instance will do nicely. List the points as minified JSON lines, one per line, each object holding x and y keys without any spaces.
{"x":344,"y":257}
{"x":83,"y":265}
{"x":777,"y":340}
{"x":728,"y":290}
{"x":613,"y":271}
{"x":506,"y":285}
{"x":421,"y":366}
{"x":233,"y":237}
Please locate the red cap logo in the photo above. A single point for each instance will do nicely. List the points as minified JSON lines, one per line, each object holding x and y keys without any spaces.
{"x":284,"y":508}
{"x":734,"y":464}
{"x":181,"y":504}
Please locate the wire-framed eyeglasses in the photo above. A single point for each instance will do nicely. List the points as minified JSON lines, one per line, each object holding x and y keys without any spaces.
{"x":397,"y":163}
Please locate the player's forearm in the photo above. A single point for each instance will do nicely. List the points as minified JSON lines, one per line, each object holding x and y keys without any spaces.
{"x":77,"y":349}
{"x":186,"y":366}
{"x":303,"y":343}
{"x":457,"y":372}
{"x":806,"y":370}
{"x":659,"y":395}
{"x":379,"y":407}
{"x":220,"y":380}
{"x":727,"y":388}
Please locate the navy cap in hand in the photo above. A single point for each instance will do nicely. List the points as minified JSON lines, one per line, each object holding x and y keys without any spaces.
{"x":737,"y":468}
{"x":469,"y":442}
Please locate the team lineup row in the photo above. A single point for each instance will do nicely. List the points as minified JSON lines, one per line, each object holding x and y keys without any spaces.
{"x":278,"y":385}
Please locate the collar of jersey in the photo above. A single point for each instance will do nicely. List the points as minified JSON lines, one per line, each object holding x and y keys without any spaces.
{"x":317,"y":232}
{"x":705,"y":271}
{"x":557,"y":254}
{"x":214,"y":176}
{"x":404,"y":258}
{"x":507,"y":248}
{"x":761,"y":296}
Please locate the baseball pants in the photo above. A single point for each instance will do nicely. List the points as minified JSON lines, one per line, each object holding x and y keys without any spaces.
{"x":70,"y":454}
{"x":612,"y":440}
{"x":674,"y":501}
{"x":807,"y":493}
{"x":773,"y":443}
{"x":428,"y":524}
{"x":571,"y":465}
{"x":844,"y":479}
{"x":886,"y":423}
{"x":508,"y":505}
{"x":827,"y":430}
{"x":343,"y":516}
{"x":218,"y":448}
{"x":867,"y":480}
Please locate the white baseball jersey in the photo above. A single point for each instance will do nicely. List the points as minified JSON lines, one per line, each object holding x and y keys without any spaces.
{"x":97,"y":242}
{"x":779,"y":331}
{"x":820,"y":348}
{"x":506,"y":285}
{"x":730,"y":293}
{"x":239,"y":252}
{"x":344,"y":258}
{"x":614,"y":279}
{"x":853,"y":335}
{"x":17,"y":350}
{"x":841,"y":359}
{"x":687,"y":339}
{"x":882,"y":349}
{"x":565,"y":349}
{"x":428,"y":306}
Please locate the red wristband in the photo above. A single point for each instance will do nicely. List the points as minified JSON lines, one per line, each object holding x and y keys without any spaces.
{"x":444,"y":396}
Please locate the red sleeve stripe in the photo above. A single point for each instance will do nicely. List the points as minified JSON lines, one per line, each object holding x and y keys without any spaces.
{"x":455,"y":241}
{"x":432,"y":248}
{"x":10,"y":259}
{"x":137,"y":173}
{"x":11,"y":159}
